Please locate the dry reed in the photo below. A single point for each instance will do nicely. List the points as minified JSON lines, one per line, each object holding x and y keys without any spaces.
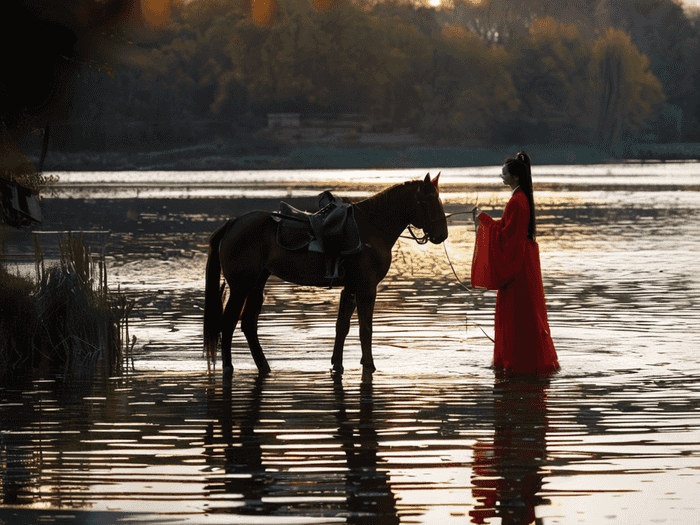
{"x":66,"y":322}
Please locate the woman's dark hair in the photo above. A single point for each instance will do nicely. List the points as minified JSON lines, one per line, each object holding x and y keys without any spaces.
{"x":519,"y":166}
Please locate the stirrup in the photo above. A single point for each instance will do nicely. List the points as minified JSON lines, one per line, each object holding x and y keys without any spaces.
{"x":333,"y":269}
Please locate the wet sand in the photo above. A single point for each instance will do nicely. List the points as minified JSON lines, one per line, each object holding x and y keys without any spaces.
{"x":434,"y":437}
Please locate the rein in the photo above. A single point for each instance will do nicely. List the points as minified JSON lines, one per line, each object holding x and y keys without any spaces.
{"x":424,"y":239}
{"x":471,"y":292}
{"x":454,"y":272}
{"x":444,"y":245}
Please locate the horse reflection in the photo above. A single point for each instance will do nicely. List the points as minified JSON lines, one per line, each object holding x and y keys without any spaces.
{"x":244,"y":472}
{"x":370,"y":499}
{"x":245,"y":481}
{"x":507,"y":472}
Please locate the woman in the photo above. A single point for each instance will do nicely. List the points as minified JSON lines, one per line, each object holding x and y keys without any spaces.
{"x":507,"y":259}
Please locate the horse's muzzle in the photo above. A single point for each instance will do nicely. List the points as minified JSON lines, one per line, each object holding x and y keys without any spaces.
{"x":437,"y":238}
{"x":436,"y":231}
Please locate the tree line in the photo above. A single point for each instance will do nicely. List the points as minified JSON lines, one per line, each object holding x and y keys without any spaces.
{"x":500,"y":71}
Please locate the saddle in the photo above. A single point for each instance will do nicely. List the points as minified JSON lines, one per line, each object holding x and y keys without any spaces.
{"x":331,"y":230}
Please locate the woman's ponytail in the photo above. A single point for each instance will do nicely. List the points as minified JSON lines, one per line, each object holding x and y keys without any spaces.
{"x":522,"y":169}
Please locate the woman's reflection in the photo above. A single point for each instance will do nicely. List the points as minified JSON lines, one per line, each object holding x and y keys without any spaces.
{"x":507,"y":473}
{"x":369,"y":495}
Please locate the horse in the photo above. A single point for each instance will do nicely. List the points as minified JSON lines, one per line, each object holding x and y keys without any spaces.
{"x":246,"y":251}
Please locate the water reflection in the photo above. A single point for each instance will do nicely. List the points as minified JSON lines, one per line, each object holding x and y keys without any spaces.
{"x":263,"y":462}
{"x":370,"y":499}
{"x":243,"y":476}
{"x":17,"y":460}
{"x":432,"y":439}
{"x":508,"y":470}
{"x":422,"y":448}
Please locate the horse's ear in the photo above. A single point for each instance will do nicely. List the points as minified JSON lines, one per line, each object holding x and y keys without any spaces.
{"x":427,"y":178}
{"x":435,"y":180}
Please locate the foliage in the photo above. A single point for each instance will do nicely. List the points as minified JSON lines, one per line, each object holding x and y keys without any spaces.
{"x":584,"y":89}
{"x":56,"y":37}
{"x":465,"y":89}
{"x":630,"y":93}
{"x":551,"y":73}
{"x":475,"y":74}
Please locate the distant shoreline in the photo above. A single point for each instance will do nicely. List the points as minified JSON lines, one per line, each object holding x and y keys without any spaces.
{"x":214,"y":157}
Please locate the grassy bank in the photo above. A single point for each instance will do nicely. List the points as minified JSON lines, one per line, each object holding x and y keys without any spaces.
{"x":223,"y":157}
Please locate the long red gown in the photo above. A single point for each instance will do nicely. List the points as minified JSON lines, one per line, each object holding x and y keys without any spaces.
{"x":507,"y":261}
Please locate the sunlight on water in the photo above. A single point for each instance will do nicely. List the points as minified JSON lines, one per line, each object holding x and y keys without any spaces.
{"x":434,"y":437}
{"x":280,"y":184}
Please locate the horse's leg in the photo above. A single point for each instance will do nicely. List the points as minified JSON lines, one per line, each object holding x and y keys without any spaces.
{"x":365,"y":313}
{"x":229,"y":320}
{"x":342,"y":327}
{"x":249,"y":322}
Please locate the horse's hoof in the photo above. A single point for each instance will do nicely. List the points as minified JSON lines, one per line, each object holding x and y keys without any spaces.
{"x":368,"y":369}
{"x":337,"y":370}
{"x":264,"y":370}
{"x":228,"y":375}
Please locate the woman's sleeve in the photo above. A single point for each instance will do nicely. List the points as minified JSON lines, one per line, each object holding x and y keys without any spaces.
{"x":499,"y":249}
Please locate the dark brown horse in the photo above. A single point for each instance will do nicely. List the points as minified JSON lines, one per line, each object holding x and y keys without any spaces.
{"x":245,"y":249}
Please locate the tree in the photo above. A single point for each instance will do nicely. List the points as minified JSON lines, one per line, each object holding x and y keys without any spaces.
{"x":629,"y":92}
{"x":551,"y":74}
{"x":465,"y":90}
{"x":665,"y":33}
{"x":45,"y":43}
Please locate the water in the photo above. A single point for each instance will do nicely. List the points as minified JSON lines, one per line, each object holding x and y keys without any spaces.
{"x":433,"y":437}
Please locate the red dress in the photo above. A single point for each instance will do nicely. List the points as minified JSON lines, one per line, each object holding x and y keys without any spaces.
{"x":507,"y":261}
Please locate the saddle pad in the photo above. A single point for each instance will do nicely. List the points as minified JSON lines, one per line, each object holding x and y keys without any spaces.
{"x":293,"y":235}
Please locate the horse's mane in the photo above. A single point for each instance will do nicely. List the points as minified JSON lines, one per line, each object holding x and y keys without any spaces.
{"x":383,"y":196}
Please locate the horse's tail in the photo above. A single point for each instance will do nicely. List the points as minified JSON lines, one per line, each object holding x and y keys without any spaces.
{"x":213,"y":306}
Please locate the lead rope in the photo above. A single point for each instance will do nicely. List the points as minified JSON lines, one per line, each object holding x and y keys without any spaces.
{"x":471,"y":292}
{"x":444,"y":246}
{"x":423,"y":240}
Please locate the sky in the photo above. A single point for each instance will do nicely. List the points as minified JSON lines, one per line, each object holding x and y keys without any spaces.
{"x":687,"y":3}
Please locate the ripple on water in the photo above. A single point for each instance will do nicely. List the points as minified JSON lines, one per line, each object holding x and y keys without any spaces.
{"x":615,"y":436}
{"x":302,"y":444}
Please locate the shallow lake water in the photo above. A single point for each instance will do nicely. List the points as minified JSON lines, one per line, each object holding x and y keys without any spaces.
{"x":433,"y":437}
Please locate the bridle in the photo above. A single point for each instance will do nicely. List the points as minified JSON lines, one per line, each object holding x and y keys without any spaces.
{"x":428,"y":223}
{"x":420,"y":240}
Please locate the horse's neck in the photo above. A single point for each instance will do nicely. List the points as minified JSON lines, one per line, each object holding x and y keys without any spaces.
{"x":389,"y":210}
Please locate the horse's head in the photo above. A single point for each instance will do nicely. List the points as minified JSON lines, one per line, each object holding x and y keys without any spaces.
{"x":431,"y":216}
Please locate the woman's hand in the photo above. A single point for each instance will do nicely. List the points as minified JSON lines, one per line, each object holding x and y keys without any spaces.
{"x":475,"y":214}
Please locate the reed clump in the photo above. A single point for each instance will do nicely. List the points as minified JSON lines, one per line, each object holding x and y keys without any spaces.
{"x":67,"y":321}
{"x":19,"y":324}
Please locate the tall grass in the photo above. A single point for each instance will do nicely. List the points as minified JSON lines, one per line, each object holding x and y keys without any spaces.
{"x":68,"y":321}
{"x":19,"y":324}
